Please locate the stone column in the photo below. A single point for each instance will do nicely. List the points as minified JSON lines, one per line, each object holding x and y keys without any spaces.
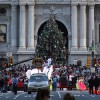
{"x":83,"y":27}
{"x":13,"y":26}
{"x":74,"y":27}
{"x":22,"y":34}
{"x":31,"y":27}
{"x":91,"y":24}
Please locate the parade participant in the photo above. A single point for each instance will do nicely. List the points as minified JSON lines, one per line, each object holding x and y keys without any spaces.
{"x":81,"y":86}
{"x":14,"y":83}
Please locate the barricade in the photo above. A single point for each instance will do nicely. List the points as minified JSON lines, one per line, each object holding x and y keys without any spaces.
{"x":94,"y":92}
{"x":68,"y":87}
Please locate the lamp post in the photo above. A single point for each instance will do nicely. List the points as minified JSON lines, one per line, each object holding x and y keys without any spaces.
{"x":92,"y":48}
{"x":9,"y":55}
{"x":92,"y":53}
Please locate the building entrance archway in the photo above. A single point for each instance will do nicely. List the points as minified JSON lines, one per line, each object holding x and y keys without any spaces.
{"x":64,"y":31}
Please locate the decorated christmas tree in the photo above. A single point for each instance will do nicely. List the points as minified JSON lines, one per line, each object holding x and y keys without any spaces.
{"x":51,"y":43}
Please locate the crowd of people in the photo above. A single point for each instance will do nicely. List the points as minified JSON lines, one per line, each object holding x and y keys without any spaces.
{"x":73,"y":77}
{"x":12,"y":73}
{"x":61,"y":76}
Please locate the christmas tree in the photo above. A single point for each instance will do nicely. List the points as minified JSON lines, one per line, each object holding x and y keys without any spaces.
{"x":51,"y":43}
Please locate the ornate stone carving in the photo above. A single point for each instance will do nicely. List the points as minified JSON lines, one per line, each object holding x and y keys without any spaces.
{"x":27,"y":1}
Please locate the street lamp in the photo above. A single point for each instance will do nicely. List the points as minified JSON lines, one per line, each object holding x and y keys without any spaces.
{"x":92,"y":53}
{"x":92,"y":48}
{"x":9,"y":56}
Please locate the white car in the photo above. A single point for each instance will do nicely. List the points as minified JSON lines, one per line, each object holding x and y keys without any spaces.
{"x":36,"y":81}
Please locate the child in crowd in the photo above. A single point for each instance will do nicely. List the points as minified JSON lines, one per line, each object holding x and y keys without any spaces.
{"x":43,"y":94}
{"x":68,"y":96}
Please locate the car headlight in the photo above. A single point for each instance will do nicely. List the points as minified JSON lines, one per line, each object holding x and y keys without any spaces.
{"x":45,"y":84}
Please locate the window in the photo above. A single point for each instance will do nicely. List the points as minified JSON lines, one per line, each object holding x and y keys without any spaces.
{"x":3,"y":31}
{"x":99,"y":33}
{"x":38,"y":78}
{"x":2,"y":11}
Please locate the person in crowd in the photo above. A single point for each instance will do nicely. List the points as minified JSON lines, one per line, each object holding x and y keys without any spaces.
{"x":14,"y":83}
{"x":77,"y":82}
{"x":70,"y":81}
{"x":5,"y":83}
{"x":1,"y":84}
{"x":50,"y":84}
{"x":25,"y":84}
{"x":81,"y":84}
{"x":54,"y":83}
{"x":91,"y":83}
{"x":96,"y":84}
{"x":43,"y":94}
{"x":63,"y":81}
{"x":68,"y":96}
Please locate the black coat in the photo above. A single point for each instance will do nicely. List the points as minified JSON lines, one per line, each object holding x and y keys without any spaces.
{"x":63,"y":81}
{"x":1,"y":82}
{"x":96,"y":82}
{"x":91,"y":82}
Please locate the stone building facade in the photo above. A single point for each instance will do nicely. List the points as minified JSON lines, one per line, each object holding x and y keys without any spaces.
{"x":20,"y":21}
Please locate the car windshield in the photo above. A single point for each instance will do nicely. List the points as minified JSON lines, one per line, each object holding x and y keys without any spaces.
{"x":38,"y":78}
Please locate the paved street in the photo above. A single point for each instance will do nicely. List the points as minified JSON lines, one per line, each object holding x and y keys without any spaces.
{"x":58,"y":95}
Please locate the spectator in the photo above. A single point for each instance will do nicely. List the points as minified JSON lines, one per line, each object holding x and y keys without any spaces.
{"x":96,"y":83}
{"x":1,"y":84}
{"x":14,"y":83}
{"x":70,"y":81}
{"x":43,"y":94}
{"x":5,"y":83}
{"x":68,"y":96}
{"x":63,"y":81}
{"x":54,"y":83}
{"x":91,"y":83}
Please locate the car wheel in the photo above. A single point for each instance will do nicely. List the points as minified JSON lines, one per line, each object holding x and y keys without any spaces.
{"x":29,"y":92}
{"x":25,"y":88}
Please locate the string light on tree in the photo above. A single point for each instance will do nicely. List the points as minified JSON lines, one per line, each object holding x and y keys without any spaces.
{"x":51,"y":42}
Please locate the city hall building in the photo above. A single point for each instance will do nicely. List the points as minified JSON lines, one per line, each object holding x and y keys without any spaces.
{"x":22,"y":20}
